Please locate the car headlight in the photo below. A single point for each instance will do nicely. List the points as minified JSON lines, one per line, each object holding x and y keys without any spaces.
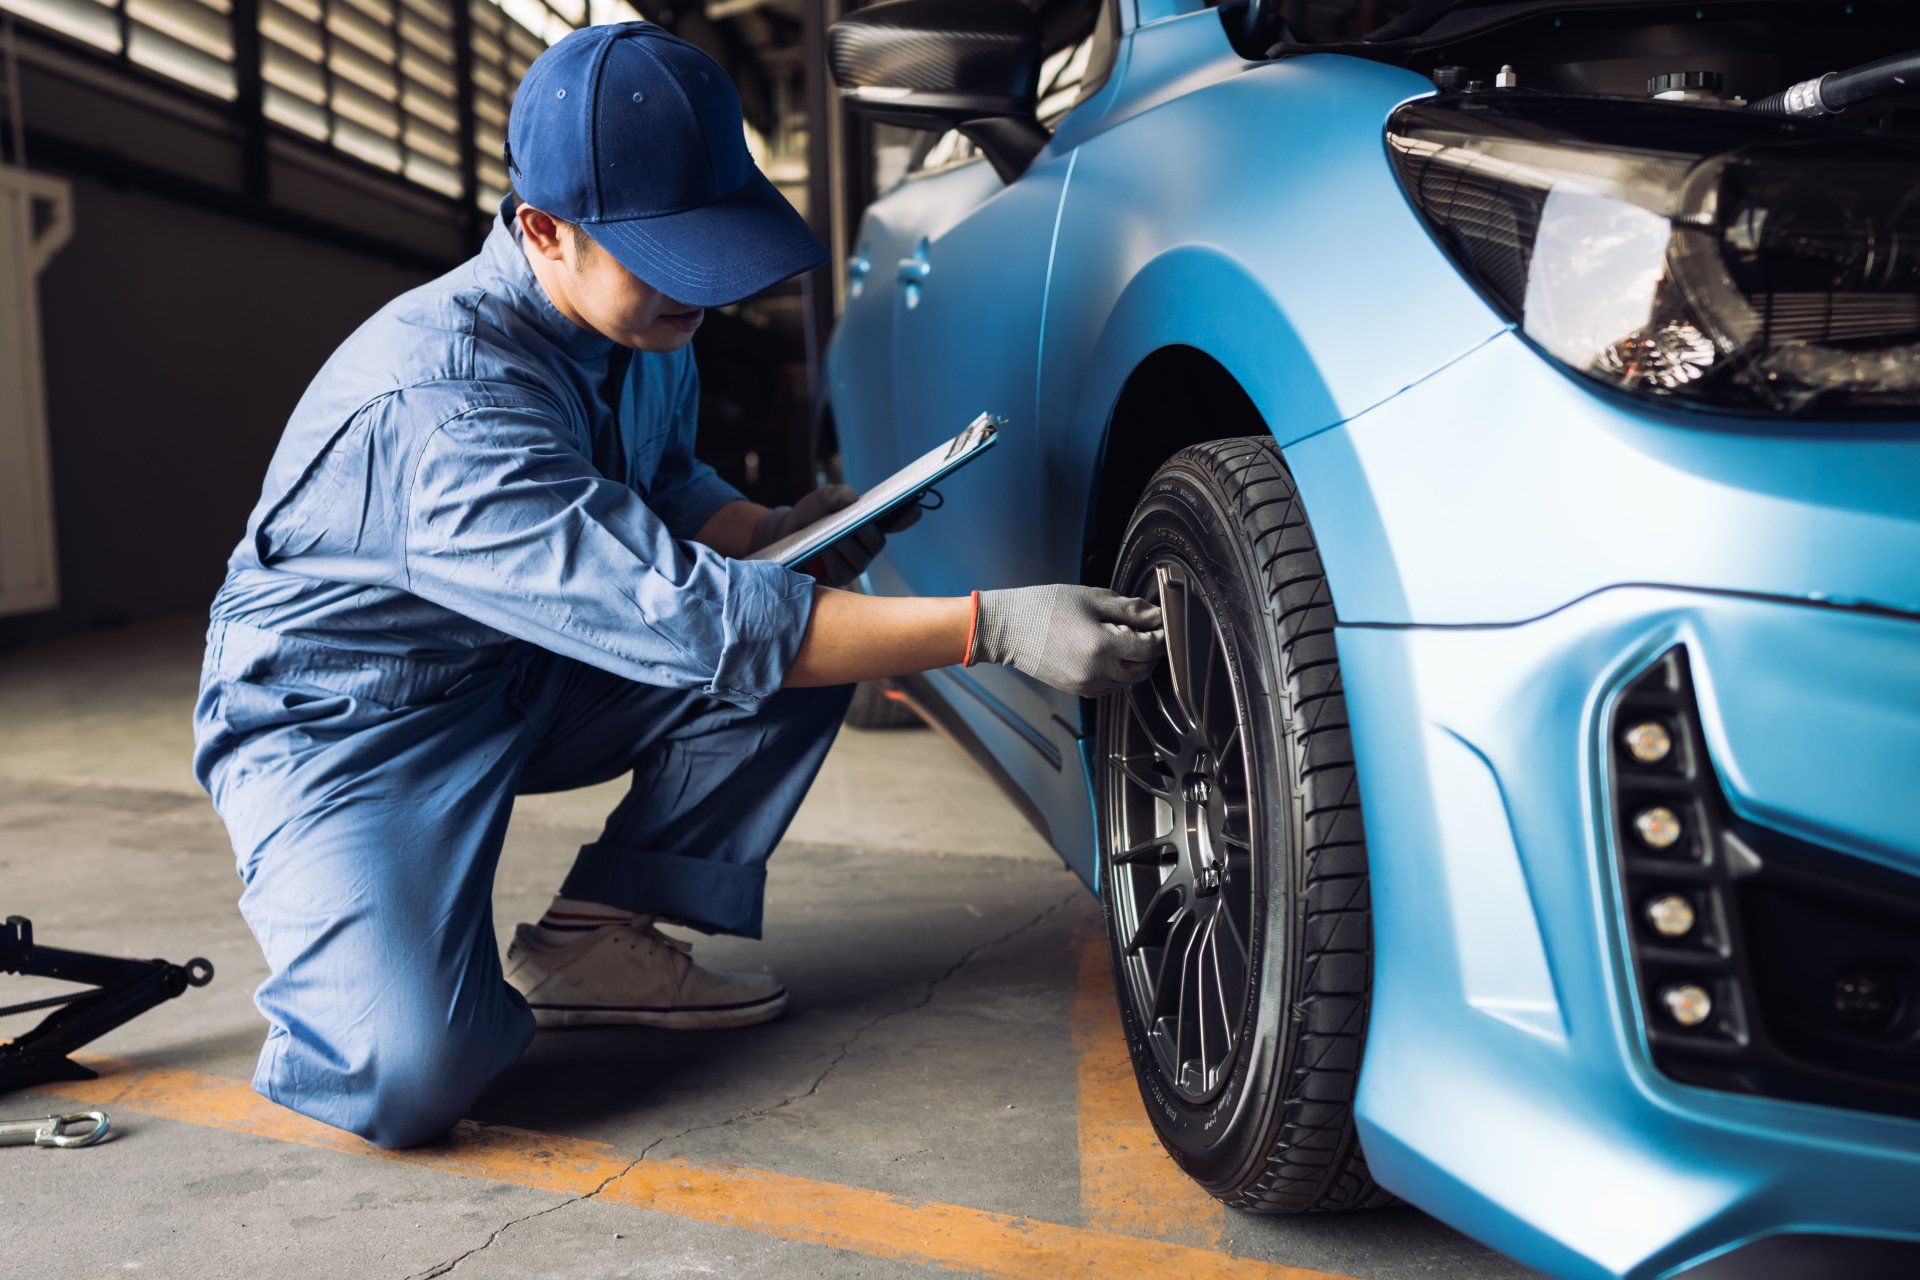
{"x":1691,"y":253}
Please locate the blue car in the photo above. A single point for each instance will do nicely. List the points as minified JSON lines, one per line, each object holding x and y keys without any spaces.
{"x":1516,"y":408}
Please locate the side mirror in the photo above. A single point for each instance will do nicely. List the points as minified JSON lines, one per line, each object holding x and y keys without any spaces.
{"x":971,"y":65}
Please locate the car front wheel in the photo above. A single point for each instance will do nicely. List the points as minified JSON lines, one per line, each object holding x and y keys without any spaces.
{"x":1234,"y":879}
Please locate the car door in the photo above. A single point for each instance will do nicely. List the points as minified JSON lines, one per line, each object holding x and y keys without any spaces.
{"x":967,"y":305}
{"x":859,"y":364}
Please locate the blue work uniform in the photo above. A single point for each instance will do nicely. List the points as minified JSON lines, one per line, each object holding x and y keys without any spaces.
{"x":467,"y":578}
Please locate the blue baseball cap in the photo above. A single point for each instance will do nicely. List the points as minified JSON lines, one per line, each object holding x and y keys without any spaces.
{"x":636,"y":136}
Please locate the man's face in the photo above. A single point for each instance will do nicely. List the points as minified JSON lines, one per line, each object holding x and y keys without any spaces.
{"x":593,"y":290}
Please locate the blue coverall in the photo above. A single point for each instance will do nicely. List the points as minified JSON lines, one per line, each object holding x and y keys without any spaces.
{"x":466,"y":579}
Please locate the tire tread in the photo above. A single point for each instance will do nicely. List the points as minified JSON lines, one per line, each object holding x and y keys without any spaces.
{"x":1312,"y":1159}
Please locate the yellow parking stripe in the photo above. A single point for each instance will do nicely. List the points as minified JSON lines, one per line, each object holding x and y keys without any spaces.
{"x":1128,"y":1182}
{"x":874,"y":1223}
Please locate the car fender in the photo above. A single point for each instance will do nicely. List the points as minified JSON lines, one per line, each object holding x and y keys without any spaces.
{"x":1207,"y":219}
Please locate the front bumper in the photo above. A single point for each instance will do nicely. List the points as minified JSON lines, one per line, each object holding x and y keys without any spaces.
{"x":1507,"y":550}
{"x":1508,"y":1085}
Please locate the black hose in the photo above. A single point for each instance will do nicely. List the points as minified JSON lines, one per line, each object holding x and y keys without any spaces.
{"x":1898,"y":74}
{"x":1838,"y":90}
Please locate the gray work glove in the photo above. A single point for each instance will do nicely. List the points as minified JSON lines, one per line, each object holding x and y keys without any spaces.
{"x":1083,"y":640}
{"x":846,"y":559}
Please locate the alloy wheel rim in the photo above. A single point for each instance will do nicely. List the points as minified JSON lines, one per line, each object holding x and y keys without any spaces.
{"x":1180,"y":823}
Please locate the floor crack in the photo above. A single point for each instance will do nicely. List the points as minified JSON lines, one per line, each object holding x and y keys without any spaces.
{"x":443,"y":1268}
{"x":846,"y":1046}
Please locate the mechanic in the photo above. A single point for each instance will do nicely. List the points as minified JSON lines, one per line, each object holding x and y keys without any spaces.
{"x":485,"y":563}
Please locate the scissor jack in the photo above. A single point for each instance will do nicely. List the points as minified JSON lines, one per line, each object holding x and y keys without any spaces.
{"x":124,"y":989}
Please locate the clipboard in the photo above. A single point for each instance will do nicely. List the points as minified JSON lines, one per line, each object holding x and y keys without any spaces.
{"x":896,"y":491}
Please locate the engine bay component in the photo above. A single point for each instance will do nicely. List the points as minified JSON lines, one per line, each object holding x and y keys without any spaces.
{"x":1835,"y":91}
{"x":1687,"y":86}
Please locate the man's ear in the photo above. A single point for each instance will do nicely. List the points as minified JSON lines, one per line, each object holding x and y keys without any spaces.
{"x":541,"y":231}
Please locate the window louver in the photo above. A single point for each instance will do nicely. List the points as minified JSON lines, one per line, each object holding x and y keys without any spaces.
{"x":503,"y":49}
{"x":186,"y":40}
{"x":376,"y":79}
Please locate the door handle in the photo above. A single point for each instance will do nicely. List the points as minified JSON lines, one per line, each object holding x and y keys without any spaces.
{"x":913,"y":273}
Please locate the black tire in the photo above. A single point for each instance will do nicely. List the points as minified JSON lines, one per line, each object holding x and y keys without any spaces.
{"x":873,"y":709}
{"x":1268,"y":1126}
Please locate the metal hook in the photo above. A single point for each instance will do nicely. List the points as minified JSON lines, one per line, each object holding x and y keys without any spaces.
{"x":53,"y":1131}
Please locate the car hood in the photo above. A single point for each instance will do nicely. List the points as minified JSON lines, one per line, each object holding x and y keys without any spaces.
{"x":1390,"y":28}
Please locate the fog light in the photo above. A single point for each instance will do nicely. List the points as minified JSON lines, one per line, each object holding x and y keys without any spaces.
{"x":1687,"y":1003}
{"x":1671,"y":915}
{"x":1659,"y":827}
{"x":1865,"y":999}
{"x":1649,"y":742}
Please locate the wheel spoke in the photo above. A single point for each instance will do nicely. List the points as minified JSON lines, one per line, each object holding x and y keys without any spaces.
{"x":1144,"y":773}
{"x":1144,"y":700}
{"x":1180,"y":1011}
{"x":1228,"y":752}
{"x":1173,"y":617}
{"x":1204,"y":660}
{"x":1187,"y":970}
{"x":1147,"y":851}
{"x":1212,"y":685}
{"x":1176,"y":613}
{"x":1236,"y":823}
{"x":1164,"y":983}
{"x":1221,"y":976}
{"x":1157,"y":917}
{"x":1200,"y":995}
{"x":1171,"y":711}
{"x":1239,"y":954}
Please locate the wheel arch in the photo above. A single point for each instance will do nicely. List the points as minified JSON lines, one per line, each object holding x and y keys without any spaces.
{"x":1179,"y":395}
{"x":1193,"y":347}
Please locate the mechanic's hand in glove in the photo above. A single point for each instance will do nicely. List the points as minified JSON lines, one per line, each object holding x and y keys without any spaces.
{"x":1083,"y":640}
{"x":846,"y":559}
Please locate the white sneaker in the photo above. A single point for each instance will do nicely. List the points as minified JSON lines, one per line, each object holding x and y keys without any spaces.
{"x":634,"y":975}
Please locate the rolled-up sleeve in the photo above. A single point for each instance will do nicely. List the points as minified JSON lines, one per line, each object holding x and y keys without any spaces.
{"x":685,"y":491}
{"x":508,"y":523}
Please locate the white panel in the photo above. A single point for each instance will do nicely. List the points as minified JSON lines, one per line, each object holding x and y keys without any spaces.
{"x":303,"y":117}
{"x":285,"y":69}
{"x":285,"y":26}
{"x":205,"y":28}
{"x":376,"y":150}
{"x":162,"y":53}
{"x":28,"y":576}
{"x":438,"y":12}
{"x":437,"y":177}
{"x":81,"y":19}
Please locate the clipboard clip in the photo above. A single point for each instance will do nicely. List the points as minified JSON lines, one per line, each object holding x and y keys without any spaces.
{"x":979,"y":431}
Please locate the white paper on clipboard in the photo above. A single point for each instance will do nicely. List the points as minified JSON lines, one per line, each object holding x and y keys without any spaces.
{"x":896,"y":490}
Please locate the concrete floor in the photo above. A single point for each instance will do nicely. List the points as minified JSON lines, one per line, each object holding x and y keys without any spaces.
{"x":947,"y":1094}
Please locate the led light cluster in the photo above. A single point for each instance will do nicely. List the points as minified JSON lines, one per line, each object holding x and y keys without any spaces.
{"x":1673,"y":866}
{"x":1763,"y":964}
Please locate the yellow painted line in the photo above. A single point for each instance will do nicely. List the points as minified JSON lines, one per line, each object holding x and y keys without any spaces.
{"x":1128,"y":1182}
{"x":949,"y":1236}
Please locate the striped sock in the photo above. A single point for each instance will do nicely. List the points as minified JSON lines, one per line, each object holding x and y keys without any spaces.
{"x":569,"y":920}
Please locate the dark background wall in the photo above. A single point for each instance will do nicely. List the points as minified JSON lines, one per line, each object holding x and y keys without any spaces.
{"x":214,"y":267}
{"x":177,"y":340}
{"x":210,"y":274}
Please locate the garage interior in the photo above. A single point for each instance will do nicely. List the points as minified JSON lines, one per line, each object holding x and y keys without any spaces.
{"x":201,"y":199}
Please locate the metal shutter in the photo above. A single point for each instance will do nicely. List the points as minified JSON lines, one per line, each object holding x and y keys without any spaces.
{"x":374,"y":78}
{"x":186,"y":40}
